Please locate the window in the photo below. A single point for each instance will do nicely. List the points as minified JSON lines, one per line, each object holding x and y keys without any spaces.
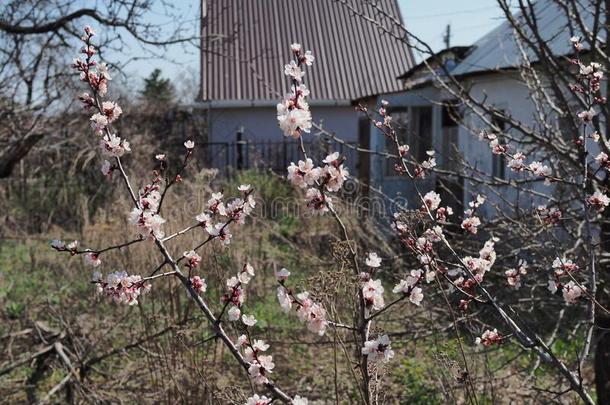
{"x":498,"y":162}
{"x":413,"y":127}
{"x":400,"y":122}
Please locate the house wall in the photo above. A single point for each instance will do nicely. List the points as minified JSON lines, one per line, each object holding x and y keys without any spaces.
{"x":399,"y":188}
{"x":501,"y":89}
{"x":505,"y":91}
{"x":262,"y":131}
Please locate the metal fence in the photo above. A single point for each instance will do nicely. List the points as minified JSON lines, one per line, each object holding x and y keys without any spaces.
{"x":271,"y":154}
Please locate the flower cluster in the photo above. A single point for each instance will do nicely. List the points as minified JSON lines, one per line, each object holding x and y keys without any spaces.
{"x":198,"y":284}
{"x":308,"y":311}
{"x":97,"y":77}
{"x":146,"y":215}
{"x":489,"y":337}
{"x":261,"y":365}
{"x":236,"y":295}
{"x":422,"y":246}
{"x":121,"y":287}
{"x":549,"y":216}
{"x":477,"y":267}
{"x":372,"y":292}
{"x":235,"y":211}
{"x":472,"y":222}
{"x":599,"y":201}
{"x":409,"y":287}
{"x":62,"y":246}
{"x":320,"y":180}
{"x":378,"y":350}
{"x":513,"y":276}
{"x":565,"y":269}
{"x":293,"y":113}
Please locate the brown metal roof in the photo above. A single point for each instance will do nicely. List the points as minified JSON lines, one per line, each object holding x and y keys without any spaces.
{"x":247,"y":42}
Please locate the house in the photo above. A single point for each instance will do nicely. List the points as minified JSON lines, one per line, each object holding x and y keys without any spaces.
{"x":433,"y":120}
{"x":244,"y":46}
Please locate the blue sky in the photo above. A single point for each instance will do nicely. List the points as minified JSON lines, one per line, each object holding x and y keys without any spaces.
{"x":428,"y":19}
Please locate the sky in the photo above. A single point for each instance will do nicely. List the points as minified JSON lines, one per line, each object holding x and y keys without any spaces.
{"x":428,"y":19}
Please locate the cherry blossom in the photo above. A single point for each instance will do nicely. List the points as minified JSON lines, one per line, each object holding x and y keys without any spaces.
{"x":256,"y":400}
{"x":317,"y":202}
{"x":122,"y":287}
{"x":111,"y":110}
{"x":372,"y":260}
{"x":489,"y":337}
{"x":92,"y":259}
{"x":282,"y":274}
{"x":107,"y":168}
{"x":294,"y":71}
{"x":114,"y":146}
{"x":572,"y":292}
{"x":471,"y":224}
{"x":234,"y":313}
{"x":248,"y":320}
{"x":193,"y":259}
{"x":284,"y":299}
{"x":513,"y":276}
{"x":563,"y":266}
{"x":372,"y":292}
{"x":550,"y":216}
{"x":599,"y":201}
{"x":432,"y":200}
{"x":304,"y":174}
{"x":416,"y":296}
{"x":517,"y":163}
{"x":293,"y":113}
{"x":311,"y":313}
{"x":198,"y":284}
{"x":378,"y":350}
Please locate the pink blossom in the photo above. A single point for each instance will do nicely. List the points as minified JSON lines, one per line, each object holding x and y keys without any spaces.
{"x":432,"y":200}
{"x":234,"y":313}
{"x":599,"y":201}
{"x":470,"y":224}
{"x":317,"y":202}
{"x":312,"y":313}
{"x":372,"y":260}
{"x":294,"y":71}
{"x":378,"y":350}
{"x":489,"y":337}
{"x":248,"y":320}
{"x":572,"y":292}
{"x":111,"y":110}
{"x":372,"y":292}
{"x":107,"y":168}
{"x":198,"y":284}
{"x":193,"y":259}
{"x":114,"y":146}
{"x":416,"y":296}
{"x":564,"y":266}
{"x":284,"y":299}
{"x":282,"y":275}
{"x":517,"y":163}
{"x":587,"y":116}
{"x":92,"y":259}
{"x":122,"y":288}
{"x":256,"y":400}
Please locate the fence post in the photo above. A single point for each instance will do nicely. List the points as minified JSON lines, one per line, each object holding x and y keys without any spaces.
{"x":240,"y":152}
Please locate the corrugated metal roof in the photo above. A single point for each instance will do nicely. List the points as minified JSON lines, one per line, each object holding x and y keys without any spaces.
{"x":498,"y":49}
{"x":247,"y":42}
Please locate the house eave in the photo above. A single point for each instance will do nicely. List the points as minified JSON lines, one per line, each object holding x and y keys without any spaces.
{"x":213,"y":104}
